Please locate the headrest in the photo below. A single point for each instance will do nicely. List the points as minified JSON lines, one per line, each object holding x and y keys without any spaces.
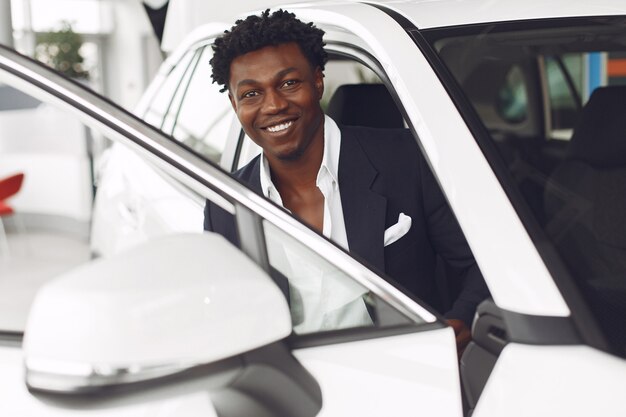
{"x":599,"y":137}
{"x":368,"y":105}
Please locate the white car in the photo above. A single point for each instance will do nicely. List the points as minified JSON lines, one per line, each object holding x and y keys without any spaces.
{"x":518,"y":108}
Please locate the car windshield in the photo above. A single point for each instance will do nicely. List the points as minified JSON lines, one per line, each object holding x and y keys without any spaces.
{"x":551,"y":99}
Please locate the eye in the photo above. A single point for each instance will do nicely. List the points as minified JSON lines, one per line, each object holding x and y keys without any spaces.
{"x":290,"y":83}
{"x":250,"y":94}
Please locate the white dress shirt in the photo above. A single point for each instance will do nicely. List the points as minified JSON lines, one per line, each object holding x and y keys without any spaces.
{"x":322,"y":298}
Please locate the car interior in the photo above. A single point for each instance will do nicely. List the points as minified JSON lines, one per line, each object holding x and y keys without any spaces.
{"x":561,"y":138}
{"x":585,"y":202}
{"x":559,"y":126}
{"x":364,"y":105}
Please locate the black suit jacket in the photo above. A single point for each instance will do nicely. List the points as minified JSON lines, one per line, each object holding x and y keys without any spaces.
{"x":382,"y":173}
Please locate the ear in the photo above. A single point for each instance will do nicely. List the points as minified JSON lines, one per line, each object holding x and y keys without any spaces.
{"x":232,"y":101}
{"x":319,"y":82}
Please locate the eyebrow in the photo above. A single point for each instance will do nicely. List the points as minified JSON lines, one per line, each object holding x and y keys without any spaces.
{"x":279,"y":74}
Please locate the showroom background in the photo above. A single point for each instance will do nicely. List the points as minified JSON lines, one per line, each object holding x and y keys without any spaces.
{"x":120,"y":48}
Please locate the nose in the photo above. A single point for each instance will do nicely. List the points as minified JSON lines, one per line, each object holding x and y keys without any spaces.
{"x":274,"y":102}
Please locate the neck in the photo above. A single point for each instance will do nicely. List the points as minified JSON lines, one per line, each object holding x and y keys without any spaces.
{"x":299,"y":173}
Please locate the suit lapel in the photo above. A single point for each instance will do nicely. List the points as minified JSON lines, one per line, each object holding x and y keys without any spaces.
{"x":363,"y":209}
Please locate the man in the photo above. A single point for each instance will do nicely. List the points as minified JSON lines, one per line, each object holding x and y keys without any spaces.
{"x":369,"y":190}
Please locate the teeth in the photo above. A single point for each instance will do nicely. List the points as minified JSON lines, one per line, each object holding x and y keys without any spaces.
{"x":279,"y":127}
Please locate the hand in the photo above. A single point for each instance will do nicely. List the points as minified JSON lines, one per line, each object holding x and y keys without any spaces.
{"x":463,"y":335}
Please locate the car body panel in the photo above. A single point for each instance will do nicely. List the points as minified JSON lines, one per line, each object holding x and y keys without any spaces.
{"x":429,"y":14}
{"x":546,"y":381}
{"x":354,"y":372}
{"x":189,"y":15}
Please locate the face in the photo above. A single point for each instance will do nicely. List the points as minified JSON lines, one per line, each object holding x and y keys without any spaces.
{"x":276,"y":95}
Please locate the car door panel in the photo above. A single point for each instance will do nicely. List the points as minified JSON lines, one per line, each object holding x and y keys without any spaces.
{"x":403,"y":375}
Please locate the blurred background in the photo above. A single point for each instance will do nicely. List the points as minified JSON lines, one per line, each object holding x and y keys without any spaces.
{"x":115,"y":46}
{"x":108,"y":44}
{"x":67,"y":195}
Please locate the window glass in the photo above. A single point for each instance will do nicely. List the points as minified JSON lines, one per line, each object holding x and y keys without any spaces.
{"x":160,"y":103}
{"x":576,"y":188}
{"x":45,"y":230}
{"x":205,"y":114}
{"x":56,"y":218}
{"x":321,"y":297}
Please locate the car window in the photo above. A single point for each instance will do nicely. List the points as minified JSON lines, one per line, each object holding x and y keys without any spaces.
{"x":205,"y":114}
{"x":561,"y":140}
{"x":160,"y":102}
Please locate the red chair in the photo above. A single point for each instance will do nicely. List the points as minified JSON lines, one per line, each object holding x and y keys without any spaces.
{"x":8,"y":187}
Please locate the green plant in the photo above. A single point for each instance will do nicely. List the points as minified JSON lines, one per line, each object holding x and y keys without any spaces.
{"x":61,"y":51}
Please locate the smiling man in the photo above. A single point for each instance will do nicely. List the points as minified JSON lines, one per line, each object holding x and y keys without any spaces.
{"x":276,"y":93}
{"x":368,"y":190}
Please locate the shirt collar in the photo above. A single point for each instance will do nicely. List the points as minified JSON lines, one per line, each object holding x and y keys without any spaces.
{"x":329,"y":166}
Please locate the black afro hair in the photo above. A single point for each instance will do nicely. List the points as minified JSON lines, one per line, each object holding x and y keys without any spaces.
{"x":256,"y":32}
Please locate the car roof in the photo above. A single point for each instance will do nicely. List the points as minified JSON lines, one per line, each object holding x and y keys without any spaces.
{"x":442,"y":13}
{"x":424,"y":14}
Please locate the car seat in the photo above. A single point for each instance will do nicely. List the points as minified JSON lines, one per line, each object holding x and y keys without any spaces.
{"x":585,"y":204}
{"x":368,"y":105}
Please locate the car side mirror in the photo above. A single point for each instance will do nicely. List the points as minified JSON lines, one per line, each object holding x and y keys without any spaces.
{"x":160,"y":308}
